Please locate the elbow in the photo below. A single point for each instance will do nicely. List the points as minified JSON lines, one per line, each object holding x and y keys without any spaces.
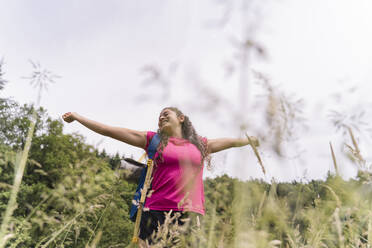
{"x":106,"y":132}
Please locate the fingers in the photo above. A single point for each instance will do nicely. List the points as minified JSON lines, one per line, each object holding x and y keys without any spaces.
{"x":68,"y":117}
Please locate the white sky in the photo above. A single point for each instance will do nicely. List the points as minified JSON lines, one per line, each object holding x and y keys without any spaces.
{"x":316,"y":50}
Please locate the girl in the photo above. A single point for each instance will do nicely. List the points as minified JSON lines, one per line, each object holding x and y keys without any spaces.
{"x":177,"y":183}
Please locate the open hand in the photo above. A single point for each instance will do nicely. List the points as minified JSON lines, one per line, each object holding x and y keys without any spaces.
{"x":69,"y":117}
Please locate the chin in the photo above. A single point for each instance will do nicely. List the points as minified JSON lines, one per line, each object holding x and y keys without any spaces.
{"x":165,"y":130}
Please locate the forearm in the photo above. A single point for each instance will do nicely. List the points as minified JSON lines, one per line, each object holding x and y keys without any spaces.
{"x":245,"y":141}
{"x":216,"y":145}
{"x":93,"y":125}
{"x":131,"y":137}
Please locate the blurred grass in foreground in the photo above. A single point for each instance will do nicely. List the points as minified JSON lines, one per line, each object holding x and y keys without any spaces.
{"x":72,"y":195}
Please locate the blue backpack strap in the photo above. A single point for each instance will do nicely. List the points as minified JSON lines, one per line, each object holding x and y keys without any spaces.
{"x":153,"y":146}
{"x":151,"y":150}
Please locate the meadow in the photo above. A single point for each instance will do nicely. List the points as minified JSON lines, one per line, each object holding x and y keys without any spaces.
{"x":58,"y":191}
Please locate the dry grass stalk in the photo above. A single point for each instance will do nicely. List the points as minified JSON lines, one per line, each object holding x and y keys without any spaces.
{"x":184,"y":200}
{"x":256,"y":153}
{"x":168,"y":234}
{"x":338,"y":202}
{"x":334,"y":159}
{"x":58,"y":232}
{"x":98,"y":222}
{"x":356,"y":150}
{"x":12,"y":204}
{"x":95,"y":240}
{"x":212,"y":227}
{"x":353,"y":140}
{"x":339,"y":227}
{"x":40,"y":78}
{"x":259,"y":212}
{"x":369,"y":234}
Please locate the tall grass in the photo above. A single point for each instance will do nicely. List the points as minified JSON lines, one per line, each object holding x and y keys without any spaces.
{"x":19,"y":170}
{"x":254,"y":213}
{"x":40,"y":78}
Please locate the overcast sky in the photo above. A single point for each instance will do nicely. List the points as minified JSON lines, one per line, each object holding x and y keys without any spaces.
{"x":317,"y":50}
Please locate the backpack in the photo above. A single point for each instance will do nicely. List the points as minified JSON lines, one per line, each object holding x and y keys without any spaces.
{"x":151,"y":150}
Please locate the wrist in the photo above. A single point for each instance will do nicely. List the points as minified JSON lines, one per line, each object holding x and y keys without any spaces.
{"x":76,"y":116}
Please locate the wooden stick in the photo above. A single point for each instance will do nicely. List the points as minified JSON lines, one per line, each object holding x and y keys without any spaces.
{"x":146,"y":186}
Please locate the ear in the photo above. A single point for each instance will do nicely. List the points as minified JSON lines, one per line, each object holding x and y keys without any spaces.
{"x":181,"y":118}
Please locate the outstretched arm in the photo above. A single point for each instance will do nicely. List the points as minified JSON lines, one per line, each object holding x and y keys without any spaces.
{"x":131,"y":137}
{"x":216,"y":145}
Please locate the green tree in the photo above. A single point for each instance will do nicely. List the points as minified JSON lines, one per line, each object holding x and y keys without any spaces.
{"x":15,"y":121}
{"x":2,"y":80}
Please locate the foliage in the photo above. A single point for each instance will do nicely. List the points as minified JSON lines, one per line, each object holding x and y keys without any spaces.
{"x":15,"y":121}
{"x":75,"y":196}
{"x":2,"y":80}
{"x":69,"y":193}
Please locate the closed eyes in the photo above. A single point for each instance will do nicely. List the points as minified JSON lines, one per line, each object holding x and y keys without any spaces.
{"x":165,"y":114}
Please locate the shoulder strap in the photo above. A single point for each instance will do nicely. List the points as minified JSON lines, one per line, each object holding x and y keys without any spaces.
{"x":151,"y":150}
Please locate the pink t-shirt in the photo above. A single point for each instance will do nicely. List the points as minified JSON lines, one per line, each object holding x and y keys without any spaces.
{"x":177,"y":182}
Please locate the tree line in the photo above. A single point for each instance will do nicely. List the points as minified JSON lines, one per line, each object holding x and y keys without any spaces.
{"x":73,"y":195}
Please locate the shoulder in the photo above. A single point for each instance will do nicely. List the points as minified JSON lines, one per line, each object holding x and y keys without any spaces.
{"x":204,"y":140}
{"x":149,"y":136}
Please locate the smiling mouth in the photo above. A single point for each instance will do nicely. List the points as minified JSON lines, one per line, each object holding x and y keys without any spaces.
{"x":163,"y":122}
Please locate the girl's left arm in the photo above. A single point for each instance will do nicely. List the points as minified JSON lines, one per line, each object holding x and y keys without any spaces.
{"x":216,"y":145}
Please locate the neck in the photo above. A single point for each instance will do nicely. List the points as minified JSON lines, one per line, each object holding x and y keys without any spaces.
{"x":176,"y":133}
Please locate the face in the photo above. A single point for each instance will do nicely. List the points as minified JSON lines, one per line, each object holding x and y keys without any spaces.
{"x":169,"y":121}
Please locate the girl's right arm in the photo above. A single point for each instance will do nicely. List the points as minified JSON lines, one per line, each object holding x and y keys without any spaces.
{"x":131,"y":137}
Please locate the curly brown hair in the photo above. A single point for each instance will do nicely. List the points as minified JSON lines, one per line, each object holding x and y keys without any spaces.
{"x":188,"y":133}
